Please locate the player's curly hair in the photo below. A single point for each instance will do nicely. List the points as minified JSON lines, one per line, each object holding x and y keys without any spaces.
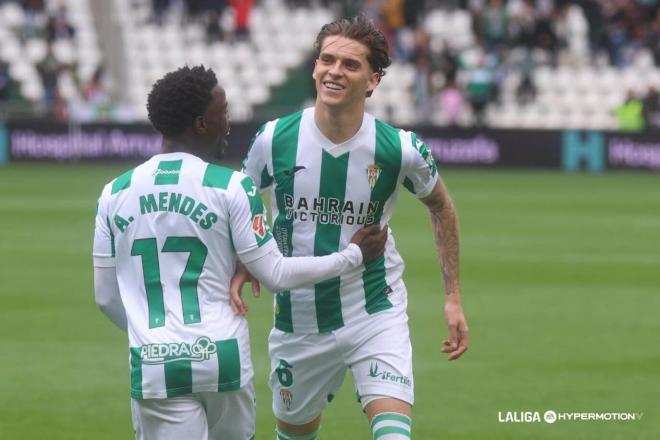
{"x":179,"y":97}
{"x":362,"y":30}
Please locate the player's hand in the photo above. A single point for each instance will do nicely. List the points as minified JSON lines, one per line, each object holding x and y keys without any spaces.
{"x":241,"y":276}
{"x":457,"y":343}
{"x":372,"y":241}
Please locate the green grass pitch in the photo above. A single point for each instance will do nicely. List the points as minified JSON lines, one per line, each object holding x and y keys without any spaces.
{"x":560,"y":280}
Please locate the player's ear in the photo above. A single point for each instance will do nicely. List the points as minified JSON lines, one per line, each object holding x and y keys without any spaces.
{"x":200,"y":124}
{"x":316,"y":61}
{"x":373,"y":82}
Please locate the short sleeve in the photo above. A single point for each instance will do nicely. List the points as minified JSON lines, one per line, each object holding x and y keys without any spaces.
{"x":420,"y":173}
{"x":256,"y":161}
{"x":104,"y":240}
{"x":249,"y":229}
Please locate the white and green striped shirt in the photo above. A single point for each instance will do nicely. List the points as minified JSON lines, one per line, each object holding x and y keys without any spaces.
{"x":321,"y":194}
{"x":173,"y":227}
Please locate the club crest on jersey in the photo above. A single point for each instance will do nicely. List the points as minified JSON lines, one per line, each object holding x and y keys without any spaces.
{"x":373,"y":173}
{"x":287,"y":397}
{"x":258,"y":226}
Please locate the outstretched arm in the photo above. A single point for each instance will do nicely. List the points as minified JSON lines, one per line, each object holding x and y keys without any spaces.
{"x":444,"y":221}
{"x":280,"y":273}
{"x":106,"y":293}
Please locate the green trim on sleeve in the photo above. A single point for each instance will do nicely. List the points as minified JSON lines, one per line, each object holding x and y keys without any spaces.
{"x":216,"y":176}
{"x":259,"y":224}
{"x":112,"y":237}
{"x":122,"y":182}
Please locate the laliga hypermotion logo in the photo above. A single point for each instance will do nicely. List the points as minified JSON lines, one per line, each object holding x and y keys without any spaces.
{"x":200,"y":351}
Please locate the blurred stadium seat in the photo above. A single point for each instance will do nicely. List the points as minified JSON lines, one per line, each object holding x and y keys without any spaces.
{"x":574,"y":88}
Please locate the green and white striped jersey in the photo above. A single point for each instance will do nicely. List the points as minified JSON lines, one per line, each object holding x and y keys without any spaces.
{"x":321,"y":194}
{"x":173,"y":227}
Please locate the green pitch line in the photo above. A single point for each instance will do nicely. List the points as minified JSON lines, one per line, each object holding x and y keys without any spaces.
{"x":560,"y":277}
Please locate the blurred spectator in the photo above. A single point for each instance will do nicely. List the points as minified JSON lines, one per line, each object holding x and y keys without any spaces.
{"x":95,"y":93}
{"x":413,"y":11}
{"x":526,"y":90}
{"x":350,"y":8}
{"x":628,"y":23}
{"x":33,"y":6}
{"x":652,"y":36}
{"x":523,"y":24}
{"x":423,"y":72}
{"x":393,"y":26}
{"x":651,"y":108}
{"x":593,"y":14}
{"x":452,"y":103}
{"x":545,"y":37}
{"x":217,"y":6}
{"x":214,"y":31}
{"x":492,"y":25}
{"x":159,"y":8}
{"x":242,"y":10}
{"x":372,"y":10}
{"x":5,"y":82}
{"x":95,"y":104}
{"x":58,"y":26}
{"x":630,"y":113}
{"x":34,"y":19}
{"x":480,"y":88}
{"x":49,"y":70}
{"x":194,"y":9}
{"x":447,"y":63}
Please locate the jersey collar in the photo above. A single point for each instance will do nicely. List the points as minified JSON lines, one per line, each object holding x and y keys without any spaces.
{"x":361,"y":138}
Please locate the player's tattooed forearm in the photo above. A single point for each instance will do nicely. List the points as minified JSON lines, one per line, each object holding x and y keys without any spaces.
{"x":444,"y":220}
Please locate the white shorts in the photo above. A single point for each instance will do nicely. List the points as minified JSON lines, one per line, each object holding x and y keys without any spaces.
{"x":308,"y":369}
{"x":228,"y":415}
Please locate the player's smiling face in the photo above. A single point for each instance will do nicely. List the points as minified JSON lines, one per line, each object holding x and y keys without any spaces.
{"x":342,"y":72}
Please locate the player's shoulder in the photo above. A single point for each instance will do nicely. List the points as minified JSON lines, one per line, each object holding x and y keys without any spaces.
{"x":382,"y":125}
{"x":288,"y":124}
{"x":219,"y":177}
{"x":293,"y":117}
{"x":118,"y":184}
{"x":388,"y":133}
{"x":261,"y":144}
{"x":226,"y":179}
{"x":287,"y":119}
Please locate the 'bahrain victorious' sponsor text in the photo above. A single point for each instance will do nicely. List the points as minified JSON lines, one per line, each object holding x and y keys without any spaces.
{"x":328,"y":210}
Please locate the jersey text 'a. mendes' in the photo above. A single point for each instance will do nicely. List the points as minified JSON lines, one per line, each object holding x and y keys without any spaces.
{"x":172,"y":227}
{"x":321,"y":194}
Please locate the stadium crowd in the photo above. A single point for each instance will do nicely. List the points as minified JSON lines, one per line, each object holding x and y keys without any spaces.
{"x":50,"y":26}
{"x":508,"y":36}
{"x":514,"y":35}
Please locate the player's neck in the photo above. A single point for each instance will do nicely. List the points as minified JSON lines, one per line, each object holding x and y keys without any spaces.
{"x":181,"y":145}
{"x":338,"y":125}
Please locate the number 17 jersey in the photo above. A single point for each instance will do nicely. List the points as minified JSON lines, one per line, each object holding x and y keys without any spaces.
{"x":172,"y":227}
